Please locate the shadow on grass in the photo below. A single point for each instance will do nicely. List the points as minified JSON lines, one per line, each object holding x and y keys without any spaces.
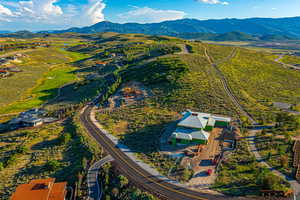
{"x":72,"y":93}
{"x":46,"y":144}
{"x":145,"y":140}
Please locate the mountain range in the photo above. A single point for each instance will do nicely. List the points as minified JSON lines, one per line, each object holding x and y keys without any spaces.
{"x":254,"y":26}
{"x":251,"y":29}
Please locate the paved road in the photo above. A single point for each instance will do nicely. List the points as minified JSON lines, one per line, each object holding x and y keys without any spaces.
{"x":289,"y":66}
{"x":137,"y":174}
{"x":251,"y":139}
{"x":95,"y":192}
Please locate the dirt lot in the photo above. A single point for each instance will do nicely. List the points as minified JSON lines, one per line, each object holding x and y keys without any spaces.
{"x":130,"y":93}
{"x":199,"y":158}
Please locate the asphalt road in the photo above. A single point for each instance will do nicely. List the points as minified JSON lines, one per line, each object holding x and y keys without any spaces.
{"x":138,"y":175}
{"x":95,"y":192}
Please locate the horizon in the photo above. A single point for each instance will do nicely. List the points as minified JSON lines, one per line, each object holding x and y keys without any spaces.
{"x":40,"y":15}
{"x":152,"y":23}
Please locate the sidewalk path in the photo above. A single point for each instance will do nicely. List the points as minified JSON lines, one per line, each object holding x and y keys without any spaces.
{"x":95,"y":192}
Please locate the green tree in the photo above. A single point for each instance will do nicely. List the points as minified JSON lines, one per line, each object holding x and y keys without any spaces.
{"x":52,"y":165}
{"x":21,"y":149}
{"x":65,"y":138}
{"x":123,"y":181}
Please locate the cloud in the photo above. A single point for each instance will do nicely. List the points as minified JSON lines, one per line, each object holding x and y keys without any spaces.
{"x":214,"y":2}
{"x":48,"y":13}
{"x":150,"y":15}
{"x":5,"y":11}
{"x":94,"y":11}
{"x":39,"y":9}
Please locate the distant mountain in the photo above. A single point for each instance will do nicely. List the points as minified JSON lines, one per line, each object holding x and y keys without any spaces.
{"x":2,"y":32}
{"x":21,"y":34}
{"x":254,"y":26}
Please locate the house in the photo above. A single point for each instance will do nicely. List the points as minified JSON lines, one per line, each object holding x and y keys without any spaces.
{"x":30,"y":118}
{"x":32,"y":122}
{"x":3,"y":73}
{"x":194,"y":127}
{"x":42,"y":189}
{"x":101,"y":64}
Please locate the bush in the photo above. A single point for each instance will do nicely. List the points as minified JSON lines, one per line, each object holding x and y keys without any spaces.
{"x":22,"y":149}
{"x":65,"y":138}
{"x":52,"y":165}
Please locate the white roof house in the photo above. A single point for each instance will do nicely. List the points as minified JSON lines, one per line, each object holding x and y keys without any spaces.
{"x":192,"y":126}
{"x":193,"y":120}
{"x":200,"y":120}
{"x":190,"y":134}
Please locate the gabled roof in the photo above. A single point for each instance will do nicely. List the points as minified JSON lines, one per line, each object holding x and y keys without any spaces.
{"x":193,"y":120}
{"x":190,"y":134}
{"x":200,"y":120}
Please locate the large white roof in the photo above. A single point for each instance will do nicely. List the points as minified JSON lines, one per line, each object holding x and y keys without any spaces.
{"x":194,"y":120}
{"x":200,"y":120}
{"x":190,"y":134}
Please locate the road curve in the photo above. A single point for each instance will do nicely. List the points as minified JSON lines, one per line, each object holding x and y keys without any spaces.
{"x":289,"y":66}
{"x":138,"y":175}
{"x":95,"y":192}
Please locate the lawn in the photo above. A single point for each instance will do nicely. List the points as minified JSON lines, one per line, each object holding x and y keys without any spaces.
{"x":44,"y":71}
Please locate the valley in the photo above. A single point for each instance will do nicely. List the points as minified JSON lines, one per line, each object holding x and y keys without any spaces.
{"x":138,"y":87}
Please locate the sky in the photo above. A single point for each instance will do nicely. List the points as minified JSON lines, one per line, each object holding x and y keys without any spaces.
{"x":37,"y":15}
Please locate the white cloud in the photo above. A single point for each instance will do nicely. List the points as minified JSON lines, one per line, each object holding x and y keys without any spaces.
{"x":94,"y":11}
{"x":5,"y":11}
{"x":41,"y":13}
{"x":39,"y":9}
{"x":150,"y":15}
{"x":214,"y":2}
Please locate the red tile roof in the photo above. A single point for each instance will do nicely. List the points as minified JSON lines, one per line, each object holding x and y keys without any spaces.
{"x":42,"y":189}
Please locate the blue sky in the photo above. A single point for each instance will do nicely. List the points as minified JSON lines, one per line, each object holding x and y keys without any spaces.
{"x":59,"y":14}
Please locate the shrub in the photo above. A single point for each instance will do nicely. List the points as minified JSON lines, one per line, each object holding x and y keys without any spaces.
{"x":52,"y":165}
{"x":22,"y":149}
{"x":65,"y":138}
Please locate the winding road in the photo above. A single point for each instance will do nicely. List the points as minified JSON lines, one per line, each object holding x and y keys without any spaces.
{"x":289,"y":66}
{"x":136,"y":173}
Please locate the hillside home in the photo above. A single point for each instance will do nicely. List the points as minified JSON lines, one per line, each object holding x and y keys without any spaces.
{"x":43,"y":189}
{"x":194,"y":127}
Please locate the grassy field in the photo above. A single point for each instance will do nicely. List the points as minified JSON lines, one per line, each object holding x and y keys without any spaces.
{"x":292,"y":60}
{"x":44,"y":71}
{"x":177,"y":83}
{"x":257,"y":81}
